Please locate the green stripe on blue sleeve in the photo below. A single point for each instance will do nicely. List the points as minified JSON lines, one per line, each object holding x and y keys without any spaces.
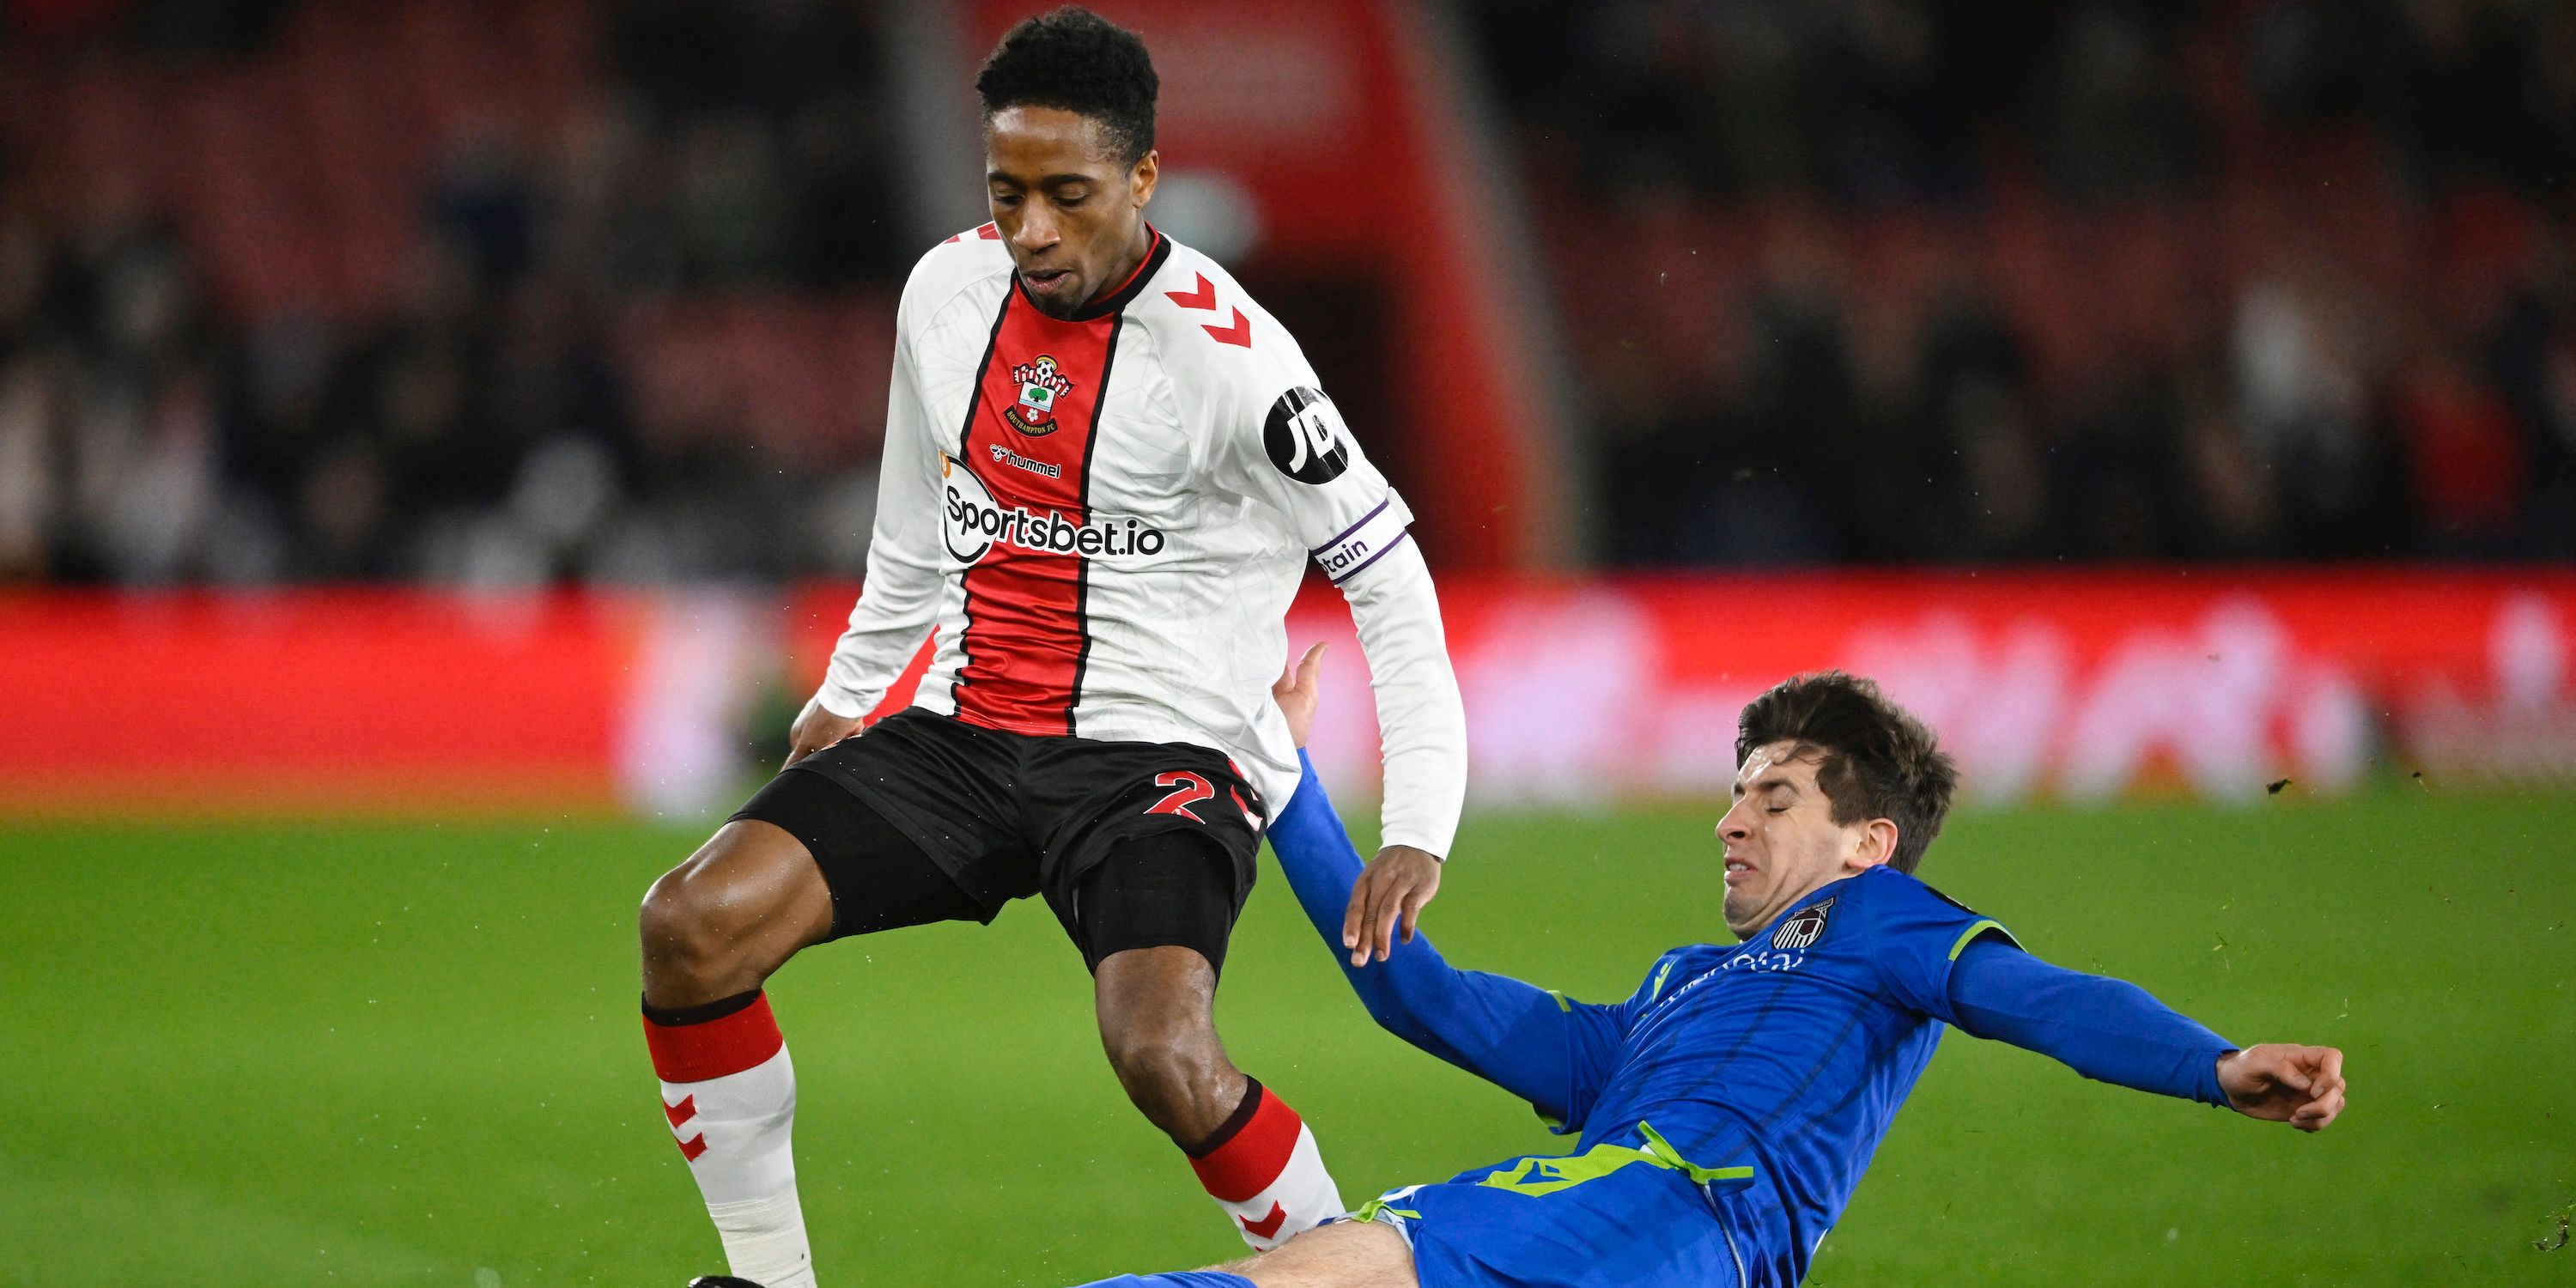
{"x":1970,"y":934}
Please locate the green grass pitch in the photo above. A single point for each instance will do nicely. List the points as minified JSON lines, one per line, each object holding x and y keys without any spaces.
{"x":408,"y":1054}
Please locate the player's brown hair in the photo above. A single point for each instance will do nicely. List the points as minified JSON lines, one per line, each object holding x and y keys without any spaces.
{"x":1875,"y":760}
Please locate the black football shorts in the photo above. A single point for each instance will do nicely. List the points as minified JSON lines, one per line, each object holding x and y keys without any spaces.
{"x":924,"y":817}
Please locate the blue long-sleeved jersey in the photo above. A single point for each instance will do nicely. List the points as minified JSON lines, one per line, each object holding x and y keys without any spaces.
{"x":1755,"y":1079}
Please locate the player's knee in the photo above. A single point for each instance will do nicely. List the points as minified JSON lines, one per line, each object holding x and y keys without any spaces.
{"x":668,"y":925}
{"x":719,"y":924}
{"x":684,"y":929}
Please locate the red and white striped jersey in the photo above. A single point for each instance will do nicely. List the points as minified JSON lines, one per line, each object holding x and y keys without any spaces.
{"x":1106,"y":517}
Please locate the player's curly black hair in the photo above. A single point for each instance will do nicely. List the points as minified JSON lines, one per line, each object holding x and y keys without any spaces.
{"x":1076,"y":60}
{"x":1878,"y":761}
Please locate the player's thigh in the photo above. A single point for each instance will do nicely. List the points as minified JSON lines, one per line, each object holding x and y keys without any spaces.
{"x":1145,"y":845}
{"x":1155,"y":913}
{"x":1345,"y":1254}
{"x":870,"y":874}
{"x":951,"y":791}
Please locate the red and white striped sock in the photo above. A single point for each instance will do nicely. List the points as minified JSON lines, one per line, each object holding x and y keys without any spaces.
{"x":1262,"y":1167}
{"x":730,"y":1095}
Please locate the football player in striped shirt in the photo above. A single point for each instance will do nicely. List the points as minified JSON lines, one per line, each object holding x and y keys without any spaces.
{"x":1105,"y":471}
{"x":1725,"y":1111}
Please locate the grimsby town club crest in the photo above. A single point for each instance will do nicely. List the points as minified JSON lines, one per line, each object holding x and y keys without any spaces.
{"x":1040,"y":386}
{"x":1801,"y":930}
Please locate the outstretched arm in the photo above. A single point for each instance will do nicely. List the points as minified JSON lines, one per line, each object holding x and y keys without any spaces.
{"x":2114,"y":1031}
{"x":1533,"y":1043}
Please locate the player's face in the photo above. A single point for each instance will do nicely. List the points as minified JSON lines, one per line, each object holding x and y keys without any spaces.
{"x":1070,"y":210}
{"x":1781,"y":840}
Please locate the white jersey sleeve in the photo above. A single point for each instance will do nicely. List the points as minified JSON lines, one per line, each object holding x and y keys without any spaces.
{"x":1420,"y":718}
{"x":900,"y":598}
{"x":1281,"y":442}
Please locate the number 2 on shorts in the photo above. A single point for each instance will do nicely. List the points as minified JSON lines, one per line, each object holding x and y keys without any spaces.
{"x":1191,"y":789}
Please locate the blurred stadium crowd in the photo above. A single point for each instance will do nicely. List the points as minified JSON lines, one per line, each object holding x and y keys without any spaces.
{"x":493,"y":293}
{"x":525,"y":290}
{"x":1906,"y":280}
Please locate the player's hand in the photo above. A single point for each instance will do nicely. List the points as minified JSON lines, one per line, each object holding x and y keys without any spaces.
{"x":1299,"y":691}
{"x":2284,"y":1083}
{"x":816,"y":728}
{"x":1388,"y":898}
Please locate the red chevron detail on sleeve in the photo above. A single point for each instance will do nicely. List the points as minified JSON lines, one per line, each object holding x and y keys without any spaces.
{"x":1202,"y":298}
{"x":1240,"y":333}
{"x":693,"y":1146}
{"x":681,"y":1112}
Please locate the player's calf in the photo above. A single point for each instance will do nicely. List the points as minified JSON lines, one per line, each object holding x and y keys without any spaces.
{"x":729,"y":1092}
{"x":1252,"y":1153}
{"x":712,"y":930}
{"x":1156,"y":1026}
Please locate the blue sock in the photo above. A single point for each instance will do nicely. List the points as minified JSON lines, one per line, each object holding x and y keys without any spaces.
{"x":1176,"y":1279}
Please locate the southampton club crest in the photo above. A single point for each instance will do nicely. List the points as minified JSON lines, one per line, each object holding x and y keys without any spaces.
{"x":1801,"y":930}
{"x":1040,"y":386}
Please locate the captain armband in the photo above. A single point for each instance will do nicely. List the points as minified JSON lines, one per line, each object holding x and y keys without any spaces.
{"x":1361,"y":544}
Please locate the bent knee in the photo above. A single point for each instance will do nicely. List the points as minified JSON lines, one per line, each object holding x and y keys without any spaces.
{"x":681,"y":924}
{"x":732,"y":910}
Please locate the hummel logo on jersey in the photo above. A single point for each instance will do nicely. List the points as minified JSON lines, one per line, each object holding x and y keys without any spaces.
{"x":1005,"y":456}
{"x":1801,"y":930}
{"x":1040,"y":385}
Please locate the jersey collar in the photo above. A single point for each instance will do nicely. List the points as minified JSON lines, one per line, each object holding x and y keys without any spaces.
{"x":1805,"y":901}
{"x":1127,"y":291}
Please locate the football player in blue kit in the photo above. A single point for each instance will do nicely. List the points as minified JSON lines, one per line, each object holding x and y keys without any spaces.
{"x":1724,"y":1112}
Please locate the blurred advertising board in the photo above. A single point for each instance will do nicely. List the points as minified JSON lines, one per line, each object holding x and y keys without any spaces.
{"x":307,"y":700}
{"x":2080,"y":686}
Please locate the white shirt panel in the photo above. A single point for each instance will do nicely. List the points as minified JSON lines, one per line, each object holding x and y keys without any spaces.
{"x":1212,"y":433}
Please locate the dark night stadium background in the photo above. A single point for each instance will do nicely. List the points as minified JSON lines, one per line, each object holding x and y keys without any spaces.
{"x":437,"y":447}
